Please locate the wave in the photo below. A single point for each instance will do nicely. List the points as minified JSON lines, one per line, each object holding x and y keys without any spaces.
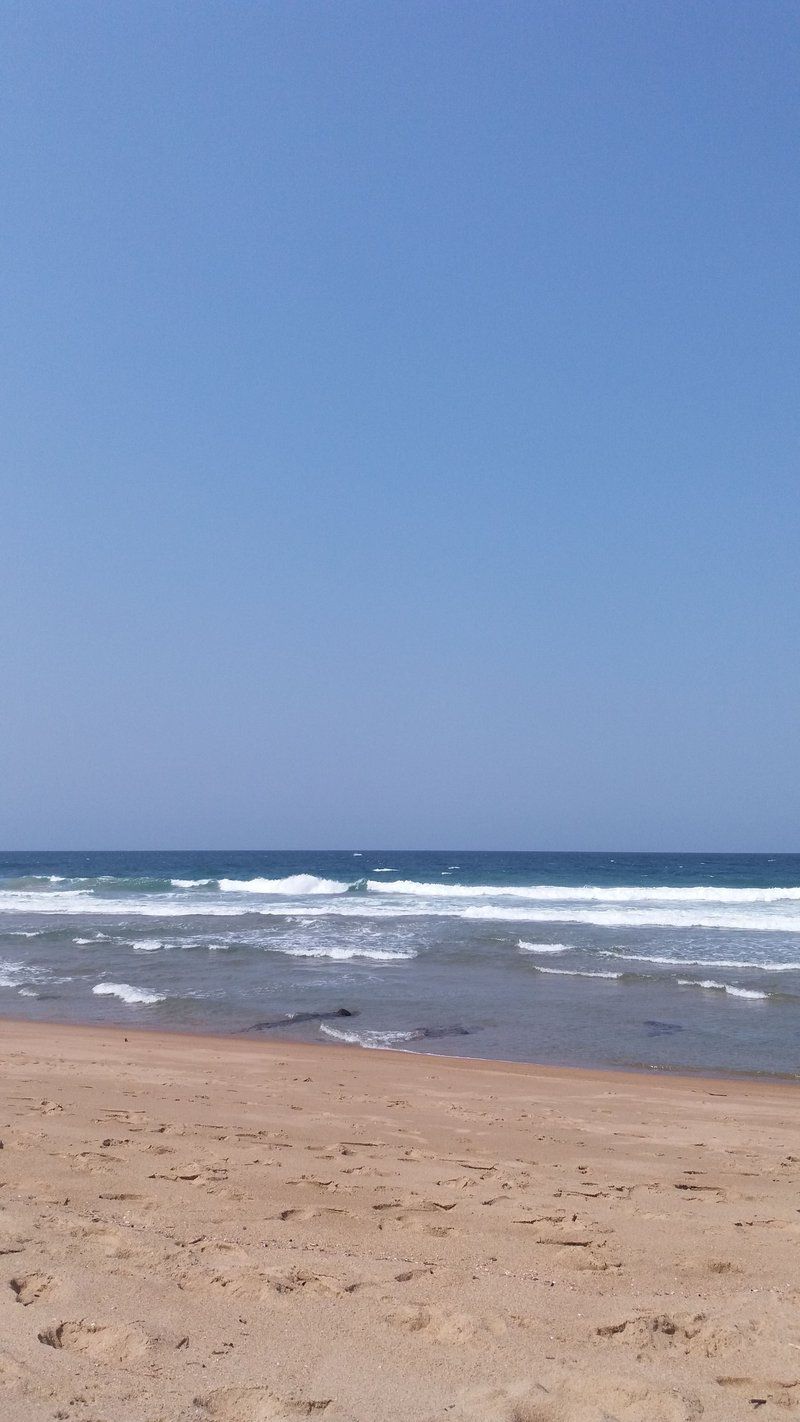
{"x":575,"y":973}
{"x":745,"y":965}
{"x":375,"y":1040}
{"x":542,"y":947}
{"x":294,"y":884}
{"x":148,"y":945}
{"x":640,"y":918}
{"x":9,"y":971}
{"x":721,"y":987}
{"x":131,"y":995}
{"x":303,"y":884}
{"x":354,"y":905}
{"x":345,"y":955}
{"x":590,"y":893}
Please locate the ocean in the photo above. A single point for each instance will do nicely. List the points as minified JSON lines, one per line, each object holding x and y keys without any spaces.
{"x":670,"y":961}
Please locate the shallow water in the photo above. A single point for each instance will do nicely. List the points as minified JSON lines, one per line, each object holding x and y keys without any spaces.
{"x":591,"y":959}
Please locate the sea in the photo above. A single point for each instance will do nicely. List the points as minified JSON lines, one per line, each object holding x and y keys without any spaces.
{"x":647,"y":961}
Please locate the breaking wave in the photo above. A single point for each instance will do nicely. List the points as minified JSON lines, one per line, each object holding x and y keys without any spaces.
{"x":590,"y":893}
{"x":663,"y":959}
{"x":346,"y":955}
{"x":641,"y":918}
{"x":132,"y":995}
{"x":525,"y":947}
{"x":576,"y":972}
{"x":373,"y":1040}
{"x":294,"y":884}
{"x":721,"y":987}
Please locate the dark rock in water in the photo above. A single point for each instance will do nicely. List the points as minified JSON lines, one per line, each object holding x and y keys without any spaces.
{"x":293,"y":1018}
{"x":661,"y":1029}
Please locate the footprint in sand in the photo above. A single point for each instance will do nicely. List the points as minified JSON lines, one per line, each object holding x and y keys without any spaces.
{"x":687,"y":1333}
{"x":300,"y":1216}
{"x":444,"y":1327}
{"x":301,"y":1281}
{"x":570,"y":1398}
{"x":30,"y":1287}
{"x":258,"y":1404}
{"x":116,"y":1343}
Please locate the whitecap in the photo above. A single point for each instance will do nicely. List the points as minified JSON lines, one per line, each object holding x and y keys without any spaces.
{"x":525,"y":947}
{"x":575,"y":973}
{"x":346,"y":955}
{"x":294,"y":884}
{"x":373,"y":1040}
{"x":751,"y":964}
{"x":721,"y":987}
{"x":636,"y":917}
{"x":131,"y":995}
{"x":595,"y":893}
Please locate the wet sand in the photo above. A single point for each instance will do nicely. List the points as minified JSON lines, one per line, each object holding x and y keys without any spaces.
{"x":229,"y":1230}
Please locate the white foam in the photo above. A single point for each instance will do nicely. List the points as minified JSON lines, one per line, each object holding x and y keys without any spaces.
{"x":525,"y":947}
{"x":721,"y":987}
{"x":345,"y":955}
{"x":148,"y":945}
{"x":575,"y":973}
{"x":191,"y":883}
{"x":294,"y":884}
{"x":749,"y":964}
{"x":279,"y":897}
{"x":9,"y":971}
{"x":27,"y":992}
{"x":383,"y":871}
{"x":592,"y":893}
{"x":131,"y":995}
{"x":635,"y":917}
{"x":374,"y":1040}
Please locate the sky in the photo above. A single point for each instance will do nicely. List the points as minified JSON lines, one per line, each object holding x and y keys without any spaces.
{"x":399,"y":424}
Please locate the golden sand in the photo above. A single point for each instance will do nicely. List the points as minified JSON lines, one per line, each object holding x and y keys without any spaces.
{"x":227,"y":1230}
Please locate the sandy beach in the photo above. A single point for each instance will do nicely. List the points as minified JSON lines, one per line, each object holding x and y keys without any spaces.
{"x":230,"y":1230}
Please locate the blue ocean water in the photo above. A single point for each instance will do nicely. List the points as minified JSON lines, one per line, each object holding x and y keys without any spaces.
{"x":662,"y":960}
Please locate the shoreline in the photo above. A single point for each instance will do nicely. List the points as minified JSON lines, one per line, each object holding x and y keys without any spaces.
{"x":274,"y":1041}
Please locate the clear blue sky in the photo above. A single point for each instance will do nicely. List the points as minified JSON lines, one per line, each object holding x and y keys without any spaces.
{"x":400,"y":424}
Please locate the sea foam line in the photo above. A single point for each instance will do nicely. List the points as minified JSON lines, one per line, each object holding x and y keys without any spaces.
{"x":526,"y":947}
{"x":751,"y":964}
{"x":374,"y":1040}
{"x":590,"y":893}
{"x":721,"y":987}
{"x":575,"y":972}
{"x":345,"y":955}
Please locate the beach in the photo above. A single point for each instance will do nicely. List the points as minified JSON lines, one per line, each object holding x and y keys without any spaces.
{"x":237,"y":1230}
